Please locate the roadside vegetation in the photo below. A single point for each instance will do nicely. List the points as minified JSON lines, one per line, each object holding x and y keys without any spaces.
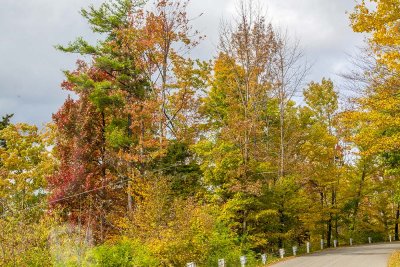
{"x":394,"y":260}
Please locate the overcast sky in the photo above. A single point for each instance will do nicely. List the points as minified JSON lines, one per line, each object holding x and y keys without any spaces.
{"x":31,"y":69}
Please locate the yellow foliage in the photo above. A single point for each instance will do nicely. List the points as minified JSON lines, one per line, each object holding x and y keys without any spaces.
{"x":382,"y":20}
{"x":394,"y":260}
{"x":174,"y":228}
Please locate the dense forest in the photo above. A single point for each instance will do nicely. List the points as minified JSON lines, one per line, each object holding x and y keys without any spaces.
{"x":160,"y":159}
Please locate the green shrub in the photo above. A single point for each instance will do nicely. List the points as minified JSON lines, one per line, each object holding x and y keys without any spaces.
{"x":223,"y":244}
{"x":124,"y":253}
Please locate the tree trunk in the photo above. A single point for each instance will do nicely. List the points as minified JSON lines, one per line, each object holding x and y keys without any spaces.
{"x":281,"y":137}
{"x":336,"y":228}
{"x":358,"y":198}
{"x":396,"y":226}
{"x":329,"y":233}
{"x":322,"y":208}
{"x":281,"y":229}
{"x":164,"y":73}
{"x":129,"y":196}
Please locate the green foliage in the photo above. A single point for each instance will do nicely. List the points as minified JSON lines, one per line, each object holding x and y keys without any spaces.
{"x":322,"y":99}
{"x":220,"y":161}
{"x":223,"y":244}
{"x":110,"y":15}
{"x":181,"y":168}
{"x":5,"y":121}
{"x":116,"y":133}
{"x":124,"y":253}
{"x":101,"y":98}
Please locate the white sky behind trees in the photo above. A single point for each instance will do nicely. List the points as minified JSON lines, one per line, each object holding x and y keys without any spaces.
{"x":31,"y":69}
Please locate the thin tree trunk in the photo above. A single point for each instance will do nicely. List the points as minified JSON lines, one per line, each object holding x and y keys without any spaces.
{"x":322,"y":208}
{"x":396,"y":226}
{"x":130,"y":201}
{"x":358,"y":198}
{"x":331,"y":218}
{"x":329,"y":232}
{"x":164,"y":72}
{"x":336,"y":228}
{"x":281,"y":229}
{"x":282,"y":149}
{"x":129,"y":195}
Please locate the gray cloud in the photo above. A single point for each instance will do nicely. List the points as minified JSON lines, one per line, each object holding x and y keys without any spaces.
{"x":30,"y":68}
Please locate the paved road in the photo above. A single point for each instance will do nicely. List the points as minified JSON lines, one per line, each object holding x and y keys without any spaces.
{"x":376,"y":255}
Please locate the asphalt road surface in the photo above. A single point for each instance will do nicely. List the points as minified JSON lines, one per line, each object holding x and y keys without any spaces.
{"x":376,"y":255}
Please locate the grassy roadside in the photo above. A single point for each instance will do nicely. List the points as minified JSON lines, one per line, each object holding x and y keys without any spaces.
{"x":394,"y":260}
{"x":276,"y":260}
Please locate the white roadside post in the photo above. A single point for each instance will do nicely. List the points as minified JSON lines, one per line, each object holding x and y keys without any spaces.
{"x":335,"y":243}
{"x":308,"y":247}
{"x":369,"y":240}
{"x":243,"y":260}
{"x":282,"y":252}
{"x":191,"y":264}
{"x":351,"y":241}
{"x":322,"y":244}
{"x":390,"y":238}
{"x":294,"y":248}
{"x":264,"y":258}
{"x":221,"y":263}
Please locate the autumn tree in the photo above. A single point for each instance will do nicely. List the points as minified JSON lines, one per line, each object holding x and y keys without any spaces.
{"x":116,"y":86}
{"x":288,"y":71}
{"x":138,"y":92}
{"x":322,"y":153}
{"x":236,"y":108}
{"x":85,"y":184}
{"x":379,"y":18}
{"x":378,"y":106}
{"x":175,"y":78}
{"x":247,"y":48}
{"x":373,"y":120}
{"x":240,"y":161}
{"x":25,"y":164}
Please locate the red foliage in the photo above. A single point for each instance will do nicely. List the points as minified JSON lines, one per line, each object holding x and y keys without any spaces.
{"x":83,"y":186}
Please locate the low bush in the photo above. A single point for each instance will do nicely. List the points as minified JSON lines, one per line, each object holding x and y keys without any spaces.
{"x":123,"y":253}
